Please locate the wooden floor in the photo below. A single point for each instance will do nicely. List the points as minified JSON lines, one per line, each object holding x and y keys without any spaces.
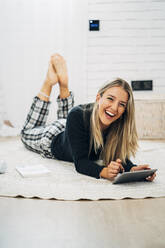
{"x":28,"y":223}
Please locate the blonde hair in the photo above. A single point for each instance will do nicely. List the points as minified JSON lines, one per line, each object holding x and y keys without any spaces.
{"x":121,"y":140}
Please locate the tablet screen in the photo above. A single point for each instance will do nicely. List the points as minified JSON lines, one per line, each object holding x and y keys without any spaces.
{"x":133,"y":176}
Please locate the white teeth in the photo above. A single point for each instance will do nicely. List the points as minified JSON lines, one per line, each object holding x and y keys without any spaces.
{"x":109,"y":113}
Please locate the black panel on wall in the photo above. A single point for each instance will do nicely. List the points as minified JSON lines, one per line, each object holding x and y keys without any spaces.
{"x":142,"y":85}
{"x":94,"y":25}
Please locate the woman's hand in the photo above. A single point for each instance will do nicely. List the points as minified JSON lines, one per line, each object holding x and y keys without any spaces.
{"x":144,"y":167}
{"x":112,"y":170}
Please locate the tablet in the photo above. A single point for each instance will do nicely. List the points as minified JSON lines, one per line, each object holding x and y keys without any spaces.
{"x":134,"y":176}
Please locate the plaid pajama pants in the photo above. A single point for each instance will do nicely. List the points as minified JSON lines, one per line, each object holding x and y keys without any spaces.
{"x":36,"y":135}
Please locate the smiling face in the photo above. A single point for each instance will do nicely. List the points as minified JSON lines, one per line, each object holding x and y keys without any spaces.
{"x":112,"y":105}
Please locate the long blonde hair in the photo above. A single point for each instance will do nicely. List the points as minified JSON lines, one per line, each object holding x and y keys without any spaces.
{"x":121,"y":140}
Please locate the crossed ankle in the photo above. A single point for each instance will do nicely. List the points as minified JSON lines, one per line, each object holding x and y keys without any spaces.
{"x":63,"y":87}
{"x":64,"y":93}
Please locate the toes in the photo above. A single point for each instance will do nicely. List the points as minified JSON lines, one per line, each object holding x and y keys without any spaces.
{"x":56,"y":56}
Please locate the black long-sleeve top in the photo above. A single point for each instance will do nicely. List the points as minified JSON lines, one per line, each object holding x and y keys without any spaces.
{"x":73,"y":144}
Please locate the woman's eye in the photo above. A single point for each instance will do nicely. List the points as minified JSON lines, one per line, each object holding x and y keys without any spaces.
{"x":110,"y":98}
{"x":123,"y":105}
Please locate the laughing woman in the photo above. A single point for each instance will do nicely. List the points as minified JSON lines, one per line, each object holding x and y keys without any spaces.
{"x":83,"y":134}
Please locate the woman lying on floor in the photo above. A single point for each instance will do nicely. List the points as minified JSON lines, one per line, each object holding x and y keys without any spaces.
{"x":86,"y":133}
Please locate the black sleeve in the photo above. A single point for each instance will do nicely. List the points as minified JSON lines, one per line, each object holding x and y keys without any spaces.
{"x":78,"y":138}
{"x":128,"y":165}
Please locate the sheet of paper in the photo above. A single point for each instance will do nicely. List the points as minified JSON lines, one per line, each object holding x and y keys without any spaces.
{"x":33,"y":171}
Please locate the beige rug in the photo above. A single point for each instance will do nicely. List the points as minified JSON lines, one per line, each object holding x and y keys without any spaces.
{"x":64,"y":183}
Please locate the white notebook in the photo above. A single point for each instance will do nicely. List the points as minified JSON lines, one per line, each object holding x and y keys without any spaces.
{"x":33,"y":171}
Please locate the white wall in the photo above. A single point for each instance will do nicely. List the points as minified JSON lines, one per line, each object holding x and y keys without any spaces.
{"x":2,"y":107}
{"x":130,"y":43}
{"x":30,"y":32}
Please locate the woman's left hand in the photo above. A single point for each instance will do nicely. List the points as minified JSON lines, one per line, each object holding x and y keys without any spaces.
{"x":144,"y":167}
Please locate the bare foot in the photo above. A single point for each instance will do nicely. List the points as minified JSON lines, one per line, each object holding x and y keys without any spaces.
{"x":60,"y":67}
{"x":51,"y":76}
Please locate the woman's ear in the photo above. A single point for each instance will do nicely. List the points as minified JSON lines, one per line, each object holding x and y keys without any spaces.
{"x":98,"y":97}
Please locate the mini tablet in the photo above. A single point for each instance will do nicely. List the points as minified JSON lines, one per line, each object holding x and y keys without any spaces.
{"x":134,"y":176}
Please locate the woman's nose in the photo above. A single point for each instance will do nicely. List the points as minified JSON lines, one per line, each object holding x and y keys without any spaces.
{"x":114,"y":106}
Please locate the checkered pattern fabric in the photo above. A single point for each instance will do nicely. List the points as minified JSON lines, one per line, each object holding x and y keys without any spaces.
{"x":36,"y":135}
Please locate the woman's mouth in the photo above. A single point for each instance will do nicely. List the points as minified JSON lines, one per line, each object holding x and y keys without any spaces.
{"x":109,"y":114}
